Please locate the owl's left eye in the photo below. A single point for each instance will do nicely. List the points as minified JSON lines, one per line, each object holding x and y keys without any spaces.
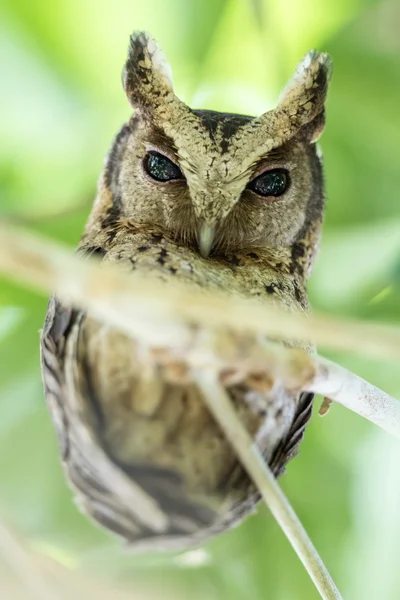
{"x":271,"y":183}
{"x":161,"y":168}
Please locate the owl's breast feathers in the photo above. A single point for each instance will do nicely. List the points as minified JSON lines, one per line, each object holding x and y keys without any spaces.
{"x":264,"y":273}
{"x":111,"y":405}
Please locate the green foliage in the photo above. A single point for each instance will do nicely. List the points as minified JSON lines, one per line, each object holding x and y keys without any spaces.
{"x":61,"y":103}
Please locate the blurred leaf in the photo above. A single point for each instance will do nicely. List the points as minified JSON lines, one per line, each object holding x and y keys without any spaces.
{"x":362,"y":138}
{"x":257,"y":46}
{"x":375,"y":500}
{"x":351,"y":260}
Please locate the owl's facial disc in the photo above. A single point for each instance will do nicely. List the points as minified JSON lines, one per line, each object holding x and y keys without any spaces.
{"x":222,"y":182}
{"x":199,"y":207}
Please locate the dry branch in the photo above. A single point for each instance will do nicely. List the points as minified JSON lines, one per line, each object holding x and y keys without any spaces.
{"x":111,"y":295}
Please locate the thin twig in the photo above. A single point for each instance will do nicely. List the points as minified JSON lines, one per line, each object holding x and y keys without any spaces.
{"x":353,"y":392}
{"x":221,"y":407}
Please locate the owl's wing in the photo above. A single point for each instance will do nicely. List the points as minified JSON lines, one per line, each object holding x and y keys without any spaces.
{"x":83,"y":465}
{"x":58,"y":321}
{"x":289,"y":447}
{"x":141,"y":503}
{"x":138,"y":503}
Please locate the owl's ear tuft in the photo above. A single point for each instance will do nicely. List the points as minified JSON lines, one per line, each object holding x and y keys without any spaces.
{"x":301,"y":106}
{"x":314,"y":129}
{"x":303,"y":98}
{"x":147,"y":76}
{"x":311,"y":76}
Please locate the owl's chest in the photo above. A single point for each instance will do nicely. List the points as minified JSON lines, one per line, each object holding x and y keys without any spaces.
{"x":160,"y":431}
{"x":243,"y":274}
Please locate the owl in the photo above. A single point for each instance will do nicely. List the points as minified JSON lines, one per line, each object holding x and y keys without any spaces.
{"x":218,"y":201}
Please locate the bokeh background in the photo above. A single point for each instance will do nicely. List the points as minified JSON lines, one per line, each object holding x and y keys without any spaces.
{"x":61,"y":102}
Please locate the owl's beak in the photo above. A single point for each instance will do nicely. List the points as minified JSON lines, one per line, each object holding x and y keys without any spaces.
{"x":205,"y":239}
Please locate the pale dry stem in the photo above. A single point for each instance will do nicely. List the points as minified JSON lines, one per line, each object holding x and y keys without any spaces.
{"x":149,"y":309}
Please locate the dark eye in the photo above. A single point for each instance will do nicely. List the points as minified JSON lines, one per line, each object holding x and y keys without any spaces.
{"x":160,"y":168}
{"x":271,"y":183}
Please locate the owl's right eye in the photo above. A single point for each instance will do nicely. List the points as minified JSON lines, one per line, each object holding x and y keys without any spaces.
{"x":273,"y":183}
{"x":161,"y":168}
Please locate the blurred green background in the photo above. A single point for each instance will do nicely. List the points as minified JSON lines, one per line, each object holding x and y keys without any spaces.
{"x":61,"y":103}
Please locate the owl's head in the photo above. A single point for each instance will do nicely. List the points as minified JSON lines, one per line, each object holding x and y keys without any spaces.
{"x":215,"y":181}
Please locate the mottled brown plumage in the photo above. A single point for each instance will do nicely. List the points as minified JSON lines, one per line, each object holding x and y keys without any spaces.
{"x":209,"y":226}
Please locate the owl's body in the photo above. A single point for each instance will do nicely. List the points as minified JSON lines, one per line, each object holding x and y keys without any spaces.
{"x":190,"y":216}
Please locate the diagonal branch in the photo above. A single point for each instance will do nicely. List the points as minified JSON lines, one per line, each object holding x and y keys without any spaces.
{"x":221,"y":407}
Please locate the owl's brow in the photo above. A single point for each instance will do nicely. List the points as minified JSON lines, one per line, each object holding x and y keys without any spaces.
{"x":276,"y":155}
{"x":158,"y":138}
